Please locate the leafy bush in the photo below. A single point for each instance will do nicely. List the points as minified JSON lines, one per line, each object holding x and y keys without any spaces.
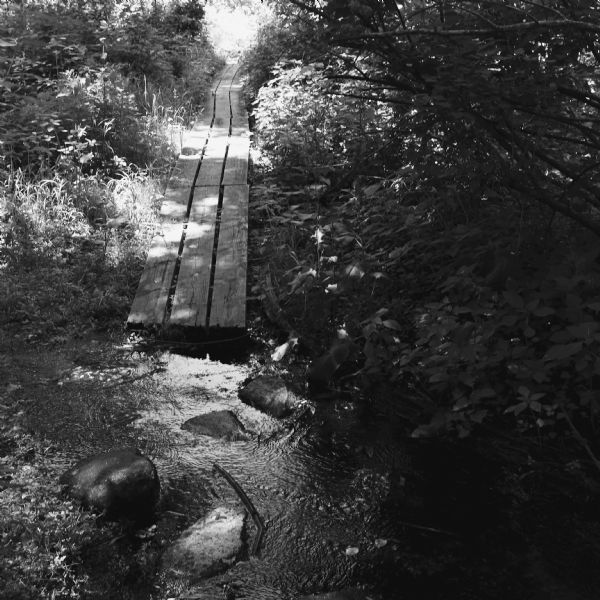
{"x":486,"y":303}
{"x":304,"y":121}
{"x":86,"y":144}
{"x":97,"y":92}
{"x":279,"y":38}
{"x":528,"y":350}
{"x":41,"y":535}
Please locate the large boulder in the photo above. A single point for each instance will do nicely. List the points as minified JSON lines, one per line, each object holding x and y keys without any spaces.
{"x":269,"y":394}
{"x":221,"y":424}
{"x":208,"y":547}
{"x":121,"y":483}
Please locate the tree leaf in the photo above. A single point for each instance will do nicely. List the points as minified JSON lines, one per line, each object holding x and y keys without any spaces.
{"x":561,"y":337}
{"x":354,"y":271}
{"x":516,"y":409}
{"x":482,"y":393}
{"x":513,"y":299}
{"x":583,"y":330}
{"x":543,"y":311}
{"x":563,"y":351}
{"x":391,"y":324}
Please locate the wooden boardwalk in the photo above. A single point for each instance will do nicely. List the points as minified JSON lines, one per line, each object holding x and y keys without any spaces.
{"x":195,"y":274}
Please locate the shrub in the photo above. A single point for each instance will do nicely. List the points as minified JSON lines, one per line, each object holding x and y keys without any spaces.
{"x":305,"y":121}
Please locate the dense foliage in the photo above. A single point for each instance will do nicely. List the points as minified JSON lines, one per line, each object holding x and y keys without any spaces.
{"x":454,"y":151}
{"x":83,"y":87}
{"x":93,"y":98}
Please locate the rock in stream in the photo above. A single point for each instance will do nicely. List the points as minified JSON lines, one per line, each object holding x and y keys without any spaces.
{"x":221,"y":424}
{"x":270,"y":394}
{"x":208,"y":547}
{"x":122,"y":483}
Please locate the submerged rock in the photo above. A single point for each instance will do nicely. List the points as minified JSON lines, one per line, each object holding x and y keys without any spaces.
{"x":219,"y":424}
{"x":122,"y":483}
{"x":271,"y":395}
{"x":208,"y":547}
{"x":343,"y":595}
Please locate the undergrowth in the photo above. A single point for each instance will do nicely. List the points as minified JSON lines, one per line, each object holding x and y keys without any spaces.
{"x":92,"y":106}
{"x":93,"y":101}
{"x":481,"y":306}
{"x":73,"y":252}
{"x":41,"y":533}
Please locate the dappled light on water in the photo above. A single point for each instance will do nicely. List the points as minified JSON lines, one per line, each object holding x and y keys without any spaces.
{"x":302,"y":474}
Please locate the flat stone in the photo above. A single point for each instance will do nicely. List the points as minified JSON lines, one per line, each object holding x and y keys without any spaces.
{"x":221,"y":424}
{"x":208,"y":547}
{"x":269,"y":394}
{"x":122,"y":483}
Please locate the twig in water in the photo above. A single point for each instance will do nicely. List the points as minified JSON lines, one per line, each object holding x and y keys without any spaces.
{"x":248,"y":504}
{"x":424,"y":528}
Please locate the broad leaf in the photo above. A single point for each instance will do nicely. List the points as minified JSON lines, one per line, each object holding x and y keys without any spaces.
{"x":563,"y":351}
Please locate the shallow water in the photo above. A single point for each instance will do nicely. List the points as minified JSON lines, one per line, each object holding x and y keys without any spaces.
{"x":347,"y":497}
{"x":319,"y":484}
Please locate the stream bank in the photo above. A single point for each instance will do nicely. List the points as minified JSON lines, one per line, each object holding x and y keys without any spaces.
{"x":348,"y":500}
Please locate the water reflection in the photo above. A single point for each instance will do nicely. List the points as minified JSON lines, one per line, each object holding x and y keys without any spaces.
{"x":302,"y":479}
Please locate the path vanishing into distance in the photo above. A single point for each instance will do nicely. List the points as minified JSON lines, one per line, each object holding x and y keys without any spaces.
{"x":195,"y":274}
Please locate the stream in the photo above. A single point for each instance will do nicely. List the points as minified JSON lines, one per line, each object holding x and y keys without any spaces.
{"x":319,"y":484}
{"x":348,"y":499}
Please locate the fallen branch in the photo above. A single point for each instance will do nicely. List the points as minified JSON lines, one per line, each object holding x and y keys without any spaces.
{"x":423,"y":528}
{"x":248,"y":504}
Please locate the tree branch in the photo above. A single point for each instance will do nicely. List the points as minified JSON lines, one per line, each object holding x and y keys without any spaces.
{"x":586,"y":97}
{"x":511,"y":27}
{"x":587,"y":223}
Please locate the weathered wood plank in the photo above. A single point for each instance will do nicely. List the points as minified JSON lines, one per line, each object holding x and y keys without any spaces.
{"x":193,"y":296}
{"x":202,"y":124}
{"x":227,"y":75}
{"x":193,"y":142}
{"x":236,"y":166}
{"x":190,"y":301}
{"x":229,"y":291}
{"x":174,"y":206}
{"x":184,"y":171}
{"x":150,"y":301}
{"x":239,"y":114}
{"x":212,"y":162}
{"x":222,"y":111}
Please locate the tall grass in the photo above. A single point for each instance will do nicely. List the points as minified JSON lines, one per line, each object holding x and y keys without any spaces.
{"x":72,"y":250}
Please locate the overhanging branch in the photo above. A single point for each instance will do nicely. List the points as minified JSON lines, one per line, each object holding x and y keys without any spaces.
{"x":509,"y":28}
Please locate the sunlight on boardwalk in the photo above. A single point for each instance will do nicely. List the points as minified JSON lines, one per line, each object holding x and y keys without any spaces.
{"x":195,"y":275}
